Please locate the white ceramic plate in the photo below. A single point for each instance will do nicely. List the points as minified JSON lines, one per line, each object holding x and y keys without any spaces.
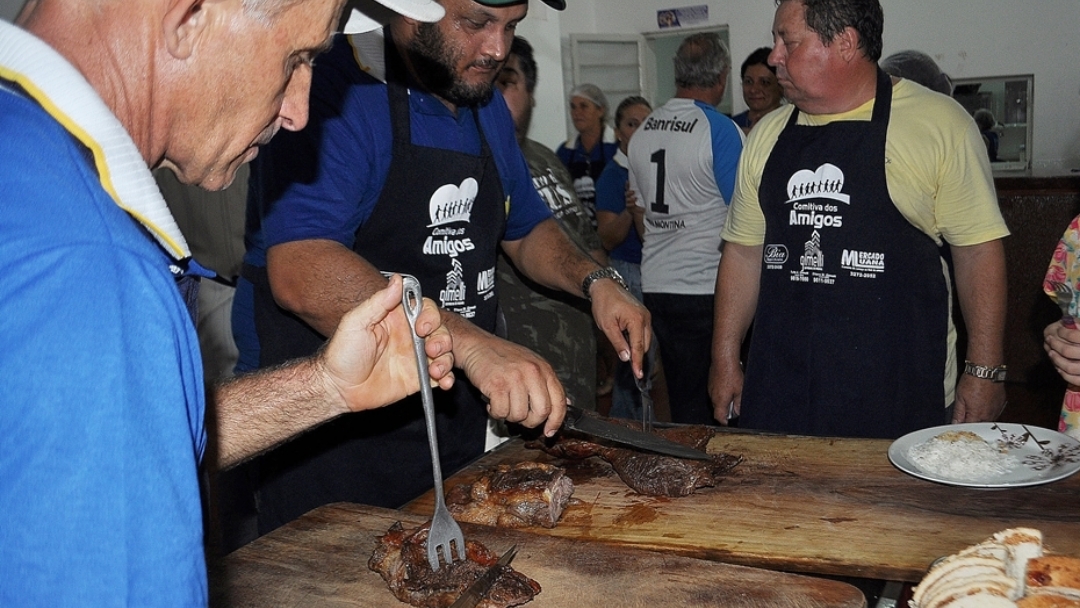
{"x":1044,"y":455}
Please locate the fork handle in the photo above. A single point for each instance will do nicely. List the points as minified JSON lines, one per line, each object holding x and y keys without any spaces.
{"x":412,"y":301}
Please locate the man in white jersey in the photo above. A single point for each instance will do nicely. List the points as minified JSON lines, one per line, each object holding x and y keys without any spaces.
{"x":849,"y":204}
{"x":682,"y":164}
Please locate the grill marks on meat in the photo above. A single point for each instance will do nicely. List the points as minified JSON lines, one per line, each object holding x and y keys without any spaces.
{"x":646,"y":472}
{"x":513,"y":496}
{"x":400,"y":556}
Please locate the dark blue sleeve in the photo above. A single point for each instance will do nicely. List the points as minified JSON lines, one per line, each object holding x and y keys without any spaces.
{"x":609,"y":148}
{"x":323,"y":182}
{"x":611,"y":188}
{"x":564,"y":153}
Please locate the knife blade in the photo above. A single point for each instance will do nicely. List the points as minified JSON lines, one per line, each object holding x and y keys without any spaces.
{"x":644,"y":387}
{"x":578,"y":420}
{"x":479,"y":588}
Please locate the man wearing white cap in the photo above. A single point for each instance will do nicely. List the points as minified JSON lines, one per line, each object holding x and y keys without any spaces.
{"x":104,"y":405}
{"x":411,"y":164}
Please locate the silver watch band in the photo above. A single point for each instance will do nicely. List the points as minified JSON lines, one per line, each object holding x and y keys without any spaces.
{"x":994,"y":374}
{"x":601,"y":273}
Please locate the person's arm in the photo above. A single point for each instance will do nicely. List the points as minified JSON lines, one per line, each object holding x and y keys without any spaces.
{"x":548,"y":257}
{"x":612,"y":227}
{"x":612,"y":219}
{"x":318,"y":280}
{"x":737,"y":286}
{"x":369,"y":363}
{"x":981,"y":291}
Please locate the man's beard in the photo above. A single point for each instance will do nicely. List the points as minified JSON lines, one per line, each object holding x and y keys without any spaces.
{"x":434,"y":63}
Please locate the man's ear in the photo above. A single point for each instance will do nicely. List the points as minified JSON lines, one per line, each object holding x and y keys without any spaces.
{"x":721,"y":83}
{"x":183,"y":23}
{"x":847,"y":43}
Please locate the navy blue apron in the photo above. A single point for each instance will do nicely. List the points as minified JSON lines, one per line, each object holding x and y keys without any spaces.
{"x":426,"y":224}
{"x":850,"y":333}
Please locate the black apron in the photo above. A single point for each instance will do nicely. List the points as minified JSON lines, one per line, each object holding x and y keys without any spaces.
{"x":850,"y":333}
{"x":426,"y":224}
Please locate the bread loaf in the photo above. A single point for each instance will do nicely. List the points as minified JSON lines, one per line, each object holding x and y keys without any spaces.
{"x":1007,"y":570}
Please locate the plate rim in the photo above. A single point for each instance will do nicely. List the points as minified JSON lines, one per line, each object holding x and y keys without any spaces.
{"x":898,"y":456}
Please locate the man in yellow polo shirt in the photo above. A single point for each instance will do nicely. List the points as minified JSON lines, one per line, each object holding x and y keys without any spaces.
{"x":848,"y":205}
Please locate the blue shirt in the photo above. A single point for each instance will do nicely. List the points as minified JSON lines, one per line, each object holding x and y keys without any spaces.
{"x":611,"y":196}
{"x":600,"y":155}
{"x":102,"y":392}
{"x":324,"y":181}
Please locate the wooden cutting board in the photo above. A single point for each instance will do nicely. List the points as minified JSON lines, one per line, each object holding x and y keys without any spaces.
{"x":320,"y":560}
{"x":801,"y":504}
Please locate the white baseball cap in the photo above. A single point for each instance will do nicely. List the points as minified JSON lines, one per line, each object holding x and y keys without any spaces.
{"x":368,"y":15}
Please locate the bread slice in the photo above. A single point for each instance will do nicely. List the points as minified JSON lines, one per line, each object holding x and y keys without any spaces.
{"x":989,"y":548}
{"x":974,"y":599}
{"x":1022,"y":544}
{"x":946,"y":595}
{"x":1053,"y":571}
{"x":959,"y":569}
{"x":1048,"y":600}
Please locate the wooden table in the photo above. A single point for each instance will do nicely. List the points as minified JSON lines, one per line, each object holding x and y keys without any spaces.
{"x":320,"y":560}
{"x":801,"y":504}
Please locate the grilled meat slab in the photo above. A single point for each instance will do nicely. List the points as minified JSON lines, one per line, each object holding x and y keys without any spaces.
{"x":513,"y":496}
{"x":646,"y":472}
{"x":400,"y":556}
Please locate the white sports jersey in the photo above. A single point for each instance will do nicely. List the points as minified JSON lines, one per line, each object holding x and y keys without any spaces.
{"x":682,"y":166}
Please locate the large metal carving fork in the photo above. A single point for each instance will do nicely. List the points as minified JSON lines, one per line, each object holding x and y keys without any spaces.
{"x":445,"y":534}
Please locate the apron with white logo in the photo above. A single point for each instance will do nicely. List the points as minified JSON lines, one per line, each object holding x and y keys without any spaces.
{"x":850,"y":333}
{"x":440,"y":218}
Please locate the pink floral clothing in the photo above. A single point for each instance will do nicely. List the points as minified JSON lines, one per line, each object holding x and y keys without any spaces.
{"x":1065,"y":270}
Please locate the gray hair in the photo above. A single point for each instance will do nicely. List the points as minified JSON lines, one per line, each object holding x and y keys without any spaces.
{"x":701,"y":61}
{"x":919,"y":67}
{"x":267,"y":10}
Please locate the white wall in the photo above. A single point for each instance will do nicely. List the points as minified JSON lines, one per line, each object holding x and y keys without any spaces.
{"x":541,"y":28}
{"x":968,"y":38}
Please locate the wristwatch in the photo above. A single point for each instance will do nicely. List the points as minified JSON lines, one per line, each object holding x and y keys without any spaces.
{"x":994,"y":374}
{"x":601,"y":273}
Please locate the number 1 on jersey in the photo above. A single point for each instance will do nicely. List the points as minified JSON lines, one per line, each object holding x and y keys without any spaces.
{"x":657,"y":158}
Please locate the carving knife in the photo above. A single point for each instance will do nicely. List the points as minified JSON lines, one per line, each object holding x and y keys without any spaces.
{"x":479,"y":588}
{"x":644,"y":386}
{"x":582,"y":422}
